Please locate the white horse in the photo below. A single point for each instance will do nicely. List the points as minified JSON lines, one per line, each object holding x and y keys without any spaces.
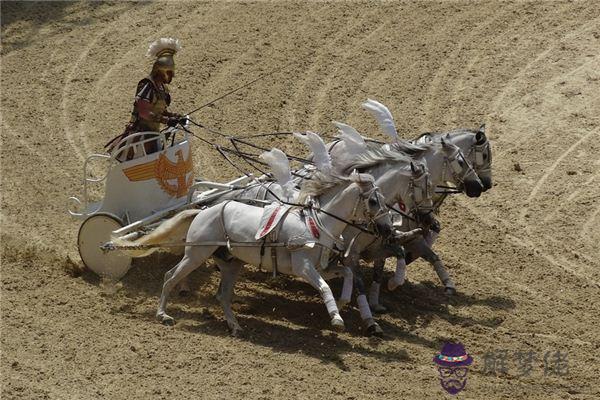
{"x":476,"y":154}
{"x":401,"y":180}
{"x":351,"y":199}
{"x":446,"y":164}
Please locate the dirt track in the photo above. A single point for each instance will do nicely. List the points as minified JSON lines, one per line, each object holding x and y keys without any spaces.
{"x":524,"y":255}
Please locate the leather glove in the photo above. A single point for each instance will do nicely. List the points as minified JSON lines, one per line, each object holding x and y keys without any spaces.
{"x":172,"y":121}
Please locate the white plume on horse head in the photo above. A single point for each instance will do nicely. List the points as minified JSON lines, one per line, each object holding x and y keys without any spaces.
{"x":280,"y":166}
{"x":321,"y":156}
{"x":384,"y":117}
{"x":355,"y":143}
{"x":162,"y":44}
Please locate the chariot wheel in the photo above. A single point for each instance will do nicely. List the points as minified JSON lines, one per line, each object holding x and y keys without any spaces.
{"x":94,"y":232}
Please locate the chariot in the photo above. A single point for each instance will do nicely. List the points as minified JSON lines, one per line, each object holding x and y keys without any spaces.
{"x":141,"y":188}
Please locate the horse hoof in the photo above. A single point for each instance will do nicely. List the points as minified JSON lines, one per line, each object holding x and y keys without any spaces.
{"x":378,"y":308}
{"x":236,"y":331}
{"x":165,"y":319}
{"x":236,"y":299}
{"x":375,"y":330}
{"x":341,"y":304}
{"x":450,"y":291}
{"x":393,"y":285}
{"x":338,"y":324}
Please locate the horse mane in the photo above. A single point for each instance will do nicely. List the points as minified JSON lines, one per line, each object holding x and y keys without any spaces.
{"x":411,"y":149}
{"x":424,"y":134}
{"x":318,"y":184}
{"x":375,"y":155}
{"x":452,"y":132}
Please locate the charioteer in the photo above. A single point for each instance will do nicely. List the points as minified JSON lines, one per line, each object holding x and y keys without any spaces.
{"x":152,"y":98}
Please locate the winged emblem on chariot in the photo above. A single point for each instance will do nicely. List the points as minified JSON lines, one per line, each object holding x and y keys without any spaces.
{"x":175,"y":178}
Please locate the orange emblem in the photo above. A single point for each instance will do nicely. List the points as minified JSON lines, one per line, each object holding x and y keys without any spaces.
{"x":165,"y":171}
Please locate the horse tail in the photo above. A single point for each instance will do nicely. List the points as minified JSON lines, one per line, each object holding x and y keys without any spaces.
{"x":172,"y":230}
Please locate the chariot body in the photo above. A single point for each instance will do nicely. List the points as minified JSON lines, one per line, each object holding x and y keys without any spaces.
{"x":138,"y":194}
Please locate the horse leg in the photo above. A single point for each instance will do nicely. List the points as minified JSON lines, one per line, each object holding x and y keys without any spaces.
{"x":432,"y":258}
{"x":183,"y":287}
{"x":303,"y":268}
{"x":346,"y":295}
{"x":378,"y":265}
{"x":193,"y":258}
{"x":346,"y":273}
{"x":431,"y":237}
{"x":372,"y":327}
{"x":229,"y":275}
{"x":399,"y":275}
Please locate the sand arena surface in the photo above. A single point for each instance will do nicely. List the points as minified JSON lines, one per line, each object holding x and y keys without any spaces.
{"x":524,"y":255}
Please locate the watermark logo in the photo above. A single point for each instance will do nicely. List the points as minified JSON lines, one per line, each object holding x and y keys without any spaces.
{"x":498,"y":362}
{"x":453,"y":365}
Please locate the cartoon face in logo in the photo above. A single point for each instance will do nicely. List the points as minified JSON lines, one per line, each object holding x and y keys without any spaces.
{"x":453,"y":364}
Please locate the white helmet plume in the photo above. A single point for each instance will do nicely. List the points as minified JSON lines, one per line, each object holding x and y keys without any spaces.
{"x":355,"y":143}
{"x":160,"y":45}
{"x":384,"y":117}
{"x":280,"y":166}
{"x":321,"y":157}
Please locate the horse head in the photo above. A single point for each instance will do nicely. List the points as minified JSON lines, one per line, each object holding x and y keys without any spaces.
{"x":461,"y":170}
{"x":370,"y":206}
{"x":420,"y":195}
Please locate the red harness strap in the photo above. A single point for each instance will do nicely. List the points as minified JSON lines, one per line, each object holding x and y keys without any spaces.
{"x":270,"y":222}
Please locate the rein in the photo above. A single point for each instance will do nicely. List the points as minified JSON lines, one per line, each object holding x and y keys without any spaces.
{"x":246,"y":85}
{"x":222,"y":151}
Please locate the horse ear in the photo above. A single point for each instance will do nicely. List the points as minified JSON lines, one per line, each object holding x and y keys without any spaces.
{"x":443,"y":142}
{"x":480,"y":136}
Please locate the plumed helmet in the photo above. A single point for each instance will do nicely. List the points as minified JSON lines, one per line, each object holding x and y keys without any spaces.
{"x":163,"y":49}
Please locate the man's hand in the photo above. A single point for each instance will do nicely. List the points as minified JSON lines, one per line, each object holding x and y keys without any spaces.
{"x":172,"y":114}
{"x":173,"y":121}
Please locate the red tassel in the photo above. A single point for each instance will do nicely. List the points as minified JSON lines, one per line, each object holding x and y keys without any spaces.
{"x":313,"y":227}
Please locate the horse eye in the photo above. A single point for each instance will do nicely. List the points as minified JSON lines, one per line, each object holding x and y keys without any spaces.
{"x":372,"y":202}
{"x":485,"y":156}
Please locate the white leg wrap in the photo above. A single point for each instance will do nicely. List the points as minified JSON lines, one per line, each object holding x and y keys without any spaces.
{"x":399,"y":275}
{"x":443,"y":274}
{"x":347,"y":287}
{"x":330,"y":302}
{"x":374,"y":293}
{"x":363,"y":307}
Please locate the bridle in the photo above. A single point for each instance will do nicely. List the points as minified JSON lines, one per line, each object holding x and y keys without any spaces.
{"x":369,"y":198}
{"x":477,"y":155}
{"x":359,"y":223}
{"x":418,"y":191}
{"x":460,"y":172}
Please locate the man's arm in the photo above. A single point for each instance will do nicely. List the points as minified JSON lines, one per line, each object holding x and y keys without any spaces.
{"x":144,"y":108}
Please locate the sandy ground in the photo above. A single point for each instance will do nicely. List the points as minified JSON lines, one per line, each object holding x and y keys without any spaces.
{"x":524,"y":255}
